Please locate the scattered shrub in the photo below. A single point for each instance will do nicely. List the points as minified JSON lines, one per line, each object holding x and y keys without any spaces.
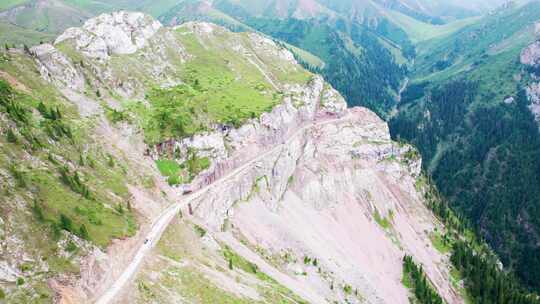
{"x":83,"y":232}
{"x":11,"y":137}
{"x":200,"y":231}
{"x":74,"y":182}
{"x":66,"y":223}
{"x":38,"y":211}
{"x":71,"y":247}
{"x":18,"y":175}
{"x":20,"y":281}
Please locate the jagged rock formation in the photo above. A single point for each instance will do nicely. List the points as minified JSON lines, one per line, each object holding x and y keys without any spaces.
{"x":315,"y":195}
{"x":117,"y":33}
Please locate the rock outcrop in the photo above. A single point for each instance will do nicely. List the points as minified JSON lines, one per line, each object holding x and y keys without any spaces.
{"x":321,"y":195}
{"x":117,"y":33}
{"x":530,"y":57}
{"x":531,"y":54}
{"x":56,"y":67}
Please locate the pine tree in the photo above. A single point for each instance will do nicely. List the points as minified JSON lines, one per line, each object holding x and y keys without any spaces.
{"x":111,"y":161}
{"x":65,"y":223}
{"x":11,"y":137}
{"x":83,"y":232}
{"x":27,"y":50}
{"x":38,"y":211}
{"x":43,"y":110}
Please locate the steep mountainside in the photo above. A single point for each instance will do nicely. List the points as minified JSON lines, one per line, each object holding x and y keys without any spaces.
{"x":469,"y":111}
{"x":274,"y":191}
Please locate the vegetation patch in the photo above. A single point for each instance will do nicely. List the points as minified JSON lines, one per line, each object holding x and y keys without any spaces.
{"x":218,"y":87}
{"x":180,"y":173}
{"x":171,"y":169}
{"x":484,"y":278}
{"x":384,"y":222}
{"x":415,"y":279}
{"x":62,"y":196}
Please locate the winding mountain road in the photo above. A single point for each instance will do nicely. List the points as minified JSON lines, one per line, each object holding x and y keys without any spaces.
{"x":160,"y":224}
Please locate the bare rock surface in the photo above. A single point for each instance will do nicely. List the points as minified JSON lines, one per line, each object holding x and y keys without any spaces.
{"x":116,"y":33}
{"x":56,"y":67}
{"x":531,"y":54}
{"x":319,"y":196}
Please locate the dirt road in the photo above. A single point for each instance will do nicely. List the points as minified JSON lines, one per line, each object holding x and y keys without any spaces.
{"x":160,"y":224}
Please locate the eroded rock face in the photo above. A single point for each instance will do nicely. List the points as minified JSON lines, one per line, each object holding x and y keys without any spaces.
{"x":533,"y":93}
{"x":531,"y":54}
{"x":314,"y":100}
{"x":116,"y":33}
{"x":530,"y":57}
{"x":318,"y":195}
{"x":261,"y":44}
{"x":55,"y":67}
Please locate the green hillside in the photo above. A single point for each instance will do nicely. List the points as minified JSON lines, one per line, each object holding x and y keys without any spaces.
{"x":55,"y":178}
{"x":482,"y":152}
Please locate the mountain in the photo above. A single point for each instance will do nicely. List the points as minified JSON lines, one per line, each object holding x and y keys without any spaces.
{"x":469,"y":111}
{"x":364,"y":45}
{"x":349,"y":50}
{"x":217,"y":166}
{"x":206,"y":165}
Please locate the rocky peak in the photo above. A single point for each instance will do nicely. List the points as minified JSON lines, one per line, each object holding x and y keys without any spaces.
{"x":115,"y":33}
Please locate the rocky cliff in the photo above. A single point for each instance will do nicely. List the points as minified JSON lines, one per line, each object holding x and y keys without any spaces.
{"x":530,"y":57}
{"x":295,"y":197}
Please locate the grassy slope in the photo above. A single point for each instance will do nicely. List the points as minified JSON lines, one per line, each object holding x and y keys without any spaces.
{"x":506,"y":31}
{"x":306,"y":56}
{"x":33,"y":193}
{"x":12,"y":34}
{"x":31,"y":24}
{"x":102,"y":174}
{"x":192,"y":270}
{"x":419,"y":31}
{"x":6,"y":4}
{"x":485,"y":53}
{"x":219,"y":86}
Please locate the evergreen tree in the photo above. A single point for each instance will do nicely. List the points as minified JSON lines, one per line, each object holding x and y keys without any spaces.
{"x":11,"y":137}
{"x":83,"y":232}
{"x":27,"y":49}
{"x":38,"y":211}
{"x":66,"y":223}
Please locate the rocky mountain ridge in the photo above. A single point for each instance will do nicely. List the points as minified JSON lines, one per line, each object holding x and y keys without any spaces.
{"x":298,"y":196}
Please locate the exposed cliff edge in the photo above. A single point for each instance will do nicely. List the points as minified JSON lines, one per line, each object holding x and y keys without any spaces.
{"x":294,"y":195}
{"x":530,"y":57}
